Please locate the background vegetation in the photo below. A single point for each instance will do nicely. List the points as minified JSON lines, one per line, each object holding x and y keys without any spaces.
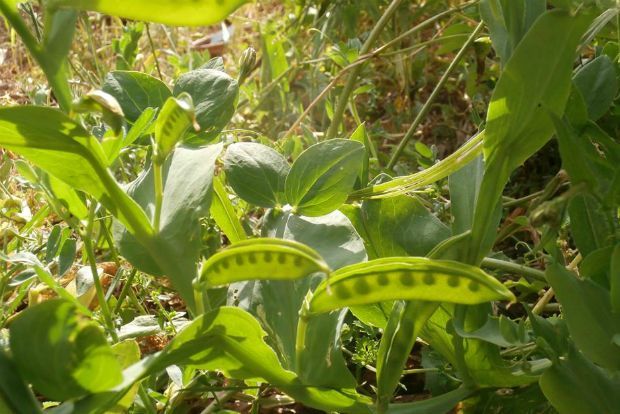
{"x":397,"y":206}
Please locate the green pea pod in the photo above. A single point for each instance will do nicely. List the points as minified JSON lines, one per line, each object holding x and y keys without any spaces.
{"x":404,"y":325}
{"x":100,"y":101}
{"x":407,"y":278}
{"x":261,"y":259}
{"x":176,"y":116}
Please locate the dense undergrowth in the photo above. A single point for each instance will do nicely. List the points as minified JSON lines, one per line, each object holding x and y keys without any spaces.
{"x":344,"y":206}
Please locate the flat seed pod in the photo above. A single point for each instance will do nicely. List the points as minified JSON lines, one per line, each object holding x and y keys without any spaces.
{"x":407,"y":278}
{"x":261,"y":259}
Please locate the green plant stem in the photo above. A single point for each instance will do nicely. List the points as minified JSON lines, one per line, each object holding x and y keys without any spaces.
{"x":146,"y":400}
{"x":527,"y":272}
{"x":92,"y":261}
{"x":125,"y":291}
{"x":353,"y":75}
{"x":148,"y":34}
{"x":431,"y":99}
{"x":300,"y":339}
{"x":159,"y":192}
{"x":55,"y":76}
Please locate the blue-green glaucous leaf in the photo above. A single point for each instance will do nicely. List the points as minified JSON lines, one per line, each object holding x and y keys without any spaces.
{"x":322,"y":177}
{"x":598,"y":84}
{"x":215,"y":97}
{"x":175,"y":13}
{"x":257,"y":173}
{"x":261,"y":259}
{"x":407,"y":278}
{"x":135,"y":91}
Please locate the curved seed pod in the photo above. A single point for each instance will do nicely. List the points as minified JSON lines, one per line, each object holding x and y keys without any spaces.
{"x":176,"y":116}
{"x":404,"y":325}
{"x":261,"y":259}
{"x":407,"y":278}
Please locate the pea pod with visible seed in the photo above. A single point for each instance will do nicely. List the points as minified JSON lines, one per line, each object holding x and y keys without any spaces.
{"x":406,"y":278}
{"x":174,"y":119}
{"x":261,"y":259}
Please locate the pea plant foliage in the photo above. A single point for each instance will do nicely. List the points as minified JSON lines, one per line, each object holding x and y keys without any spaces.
{"x":332,"y":241}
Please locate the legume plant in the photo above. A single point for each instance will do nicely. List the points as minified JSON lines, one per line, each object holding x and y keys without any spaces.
{"x":338,"y":236}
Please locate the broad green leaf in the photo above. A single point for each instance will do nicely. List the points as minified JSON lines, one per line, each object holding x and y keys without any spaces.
{"x":614,"y":279}
{"x":590,"y":225}
{"x":587,"y":309}
{"x":464,"y":188}
{"x":136,"y":91}
{"x":407,"y":278}
{"x":535,"y":82}
{"x":61,"y":147}
{"x":361,"y":135}
{"x":257,"y":173}
{"x":261,"y":259}
{"x":401,"y":226}
{"x":174,"y":119}
{"x":500,"y":331}
{"x":223,"y":212}
{"x":508,"y":21}
{"x":484,"y":362}
{"x":177,"y":13}
{"x":598,"y":84}
{"x":14,"y":392}
{"x":332,"y":236}
{"x":175,"y":250}
{"x":403,"y":328}
{"x":585,"y":158}
{"x":215,"y":97}
{"x":275,"y":64}
{"x":575,"y":385}
{"x":127,"y":353}
{"x":59,"y":29}
{"x":63,"y":355}
{"x":66,"y":195}
{"x":595,"y":266}
{"x":322,"y":177}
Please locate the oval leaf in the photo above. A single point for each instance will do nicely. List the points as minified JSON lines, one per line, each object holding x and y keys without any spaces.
{"x":135,"y":91}
{"x":214,"y":94}
{"x":257,"y":173}
{"x":261,"y":259}
{"x":323,"y":176}
{"x":407,"y":278}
